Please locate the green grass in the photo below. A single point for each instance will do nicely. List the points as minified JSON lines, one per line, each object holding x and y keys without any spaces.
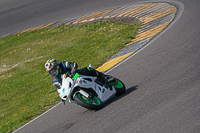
{"x":26,"y":90}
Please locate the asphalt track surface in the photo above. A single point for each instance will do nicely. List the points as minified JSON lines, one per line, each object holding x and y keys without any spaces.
{"x":162,"y":80}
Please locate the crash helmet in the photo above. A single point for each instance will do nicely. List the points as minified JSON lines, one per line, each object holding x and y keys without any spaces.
{"x":51,"y":66}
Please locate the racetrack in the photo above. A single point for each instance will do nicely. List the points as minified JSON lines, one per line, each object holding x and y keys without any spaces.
{"x":162,"y":80}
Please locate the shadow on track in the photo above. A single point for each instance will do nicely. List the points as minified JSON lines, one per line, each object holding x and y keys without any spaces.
{"x":128,"y":91}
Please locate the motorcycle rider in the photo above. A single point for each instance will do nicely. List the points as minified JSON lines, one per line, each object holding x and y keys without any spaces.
{"x":56,"y":69}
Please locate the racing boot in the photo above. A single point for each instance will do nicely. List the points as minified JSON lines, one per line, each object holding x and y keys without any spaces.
{"x":101,"y":77}
{"x":105,"y":81}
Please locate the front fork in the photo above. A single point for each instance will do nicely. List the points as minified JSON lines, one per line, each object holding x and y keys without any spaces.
{"x":84,"y":93}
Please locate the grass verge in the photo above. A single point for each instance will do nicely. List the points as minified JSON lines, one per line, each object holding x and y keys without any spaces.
{"x":25,"y":87}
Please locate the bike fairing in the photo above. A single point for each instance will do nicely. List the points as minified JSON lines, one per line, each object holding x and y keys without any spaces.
{"x":86,"y":92}
{"x":69,"y":84}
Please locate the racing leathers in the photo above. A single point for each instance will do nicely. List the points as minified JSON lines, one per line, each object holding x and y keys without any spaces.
{"x":70,"y":69}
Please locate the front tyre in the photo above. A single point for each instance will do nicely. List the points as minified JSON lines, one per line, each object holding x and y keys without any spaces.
{"x":93,"y":103}
{"x":119,"y":87}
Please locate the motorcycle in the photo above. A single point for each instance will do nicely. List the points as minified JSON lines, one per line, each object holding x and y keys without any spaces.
{"x":89,"y":92}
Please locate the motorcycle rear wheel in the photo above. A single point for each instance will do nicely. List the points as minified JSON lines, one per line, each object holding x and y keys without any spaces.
{"x":89,"y":103}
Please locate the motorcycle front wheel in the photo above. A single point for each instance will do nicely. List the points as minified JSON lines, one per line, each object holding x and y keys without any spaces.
{"x":119,"y":87}
{"x":93,"y":103}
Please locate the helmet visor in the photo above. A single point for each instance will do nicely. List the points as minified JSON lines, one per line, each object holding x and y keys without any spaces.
{"x":53,"y":71}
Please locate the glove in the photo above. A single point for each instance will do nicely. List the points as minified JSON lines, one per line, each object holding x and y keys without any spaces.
{"x":72,"y":75}
{"x":57,"y":85}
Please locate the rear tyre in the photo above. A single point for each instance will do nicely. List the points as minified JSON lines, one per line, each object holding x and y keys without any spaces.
{"x":89,"y":103}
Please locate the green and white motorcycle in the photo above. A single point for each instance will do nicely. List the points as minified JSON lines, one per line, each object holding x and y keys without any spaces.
{"x":89,"y":92}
